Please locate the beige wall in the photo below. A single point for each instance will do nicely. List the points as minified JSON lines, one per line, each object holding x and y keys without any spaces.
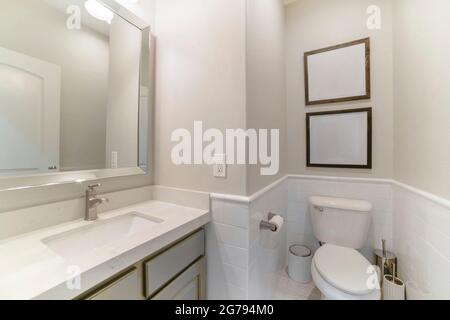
{"x":83,"y":58}
{"x":221,"y":62}
{"x":422,"y":94}
{"x":314,"y":24}
{"x":266,"y":91}
{"x":200,"y":75}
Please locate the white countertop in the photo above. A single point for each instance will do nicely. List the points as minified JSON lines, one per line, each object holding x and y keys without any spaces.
{"x":30,"y":270}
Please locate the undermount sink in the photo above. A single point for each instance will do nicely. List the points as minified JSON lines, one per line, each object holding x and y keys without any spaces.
{"x":99,"y":235}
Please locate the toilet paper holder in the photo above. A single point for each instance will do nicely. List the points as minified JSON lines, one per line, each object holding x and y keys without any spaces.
{"x":267,"y":225}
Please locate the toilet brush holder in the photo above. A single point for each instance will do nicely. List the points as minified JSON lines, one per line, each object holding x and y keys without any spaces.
{"x":385,"y":260}
{"x":393,"y":288}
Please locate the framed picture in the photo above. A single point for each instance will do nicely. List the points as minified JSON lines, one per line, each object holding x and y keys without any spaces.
{"x":339,"y":139}
{"x":338,"y":73}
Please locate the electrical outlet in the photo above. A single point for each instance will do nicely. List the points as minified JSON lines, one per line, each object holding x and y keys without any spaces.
{"x":220,"y":166}
{"x":114,"y":159}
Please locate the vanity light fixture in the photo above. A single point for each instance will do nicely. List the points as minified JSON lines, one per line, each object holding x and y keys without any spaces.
{"x":99,"y":11}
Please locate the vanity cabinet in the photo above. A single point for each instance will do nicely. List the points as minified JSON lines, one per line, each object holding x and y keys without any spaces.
{"x":125,"y":287}
{"x":177,"y":272}
{"x":190,"y":285}
{"x":161,"y":269}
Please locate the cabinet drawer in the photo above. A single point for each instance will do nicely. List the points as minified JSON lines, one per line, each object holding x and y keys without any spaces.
{"x":125,"y":287}
{"x":190,"y":285}
{"x":164,"y":267}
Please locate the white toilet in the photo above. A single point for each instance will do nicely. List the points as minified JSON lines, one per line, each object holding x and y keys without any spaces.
{"x":339,"y":271}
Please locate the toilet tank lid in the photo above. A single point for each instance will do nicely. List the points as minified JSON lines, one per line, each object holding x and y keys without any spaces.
{"x":341,"y":203}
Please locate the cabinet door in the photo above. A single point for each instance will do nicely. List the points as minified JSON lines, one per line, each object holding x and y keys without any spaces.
{"x":163,"y":268}
{"x":190,"y":285}
{"x":124,"y":288}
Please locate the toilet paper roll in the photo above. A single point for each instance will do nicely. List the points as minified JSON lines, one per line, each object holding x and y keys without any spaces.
{"x":278,"y":221}
{"x":272,"y":240}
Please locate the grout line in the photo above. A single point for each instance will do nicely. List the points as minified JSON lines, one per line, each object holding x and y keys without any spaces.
{"x":230,"y":225}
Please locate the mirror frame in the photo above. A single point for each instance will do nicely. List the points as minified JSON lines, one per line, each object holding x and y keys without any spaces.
{"x":367,"y":165}
{"x":21,"y":182}
{"x":367,"y":95}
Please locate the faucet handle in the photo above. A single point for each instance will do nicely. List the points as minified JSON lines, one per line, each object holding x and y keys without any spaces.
{"x":93,"y":186}
{"x":92,"y":189}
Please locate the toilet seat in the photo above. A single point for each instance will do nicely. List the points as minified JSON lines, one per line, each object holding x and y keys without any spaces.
{"x":342,"y":273}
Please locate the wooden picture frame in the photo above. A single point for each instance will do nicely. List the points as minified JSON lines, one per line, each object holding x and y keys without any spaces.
{"x":310,"y":162}
{"x":343,"y":57}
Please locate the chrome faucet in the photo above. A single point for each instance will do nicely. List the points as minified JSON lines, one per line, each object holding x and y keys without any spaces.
{"x":92,"y":203}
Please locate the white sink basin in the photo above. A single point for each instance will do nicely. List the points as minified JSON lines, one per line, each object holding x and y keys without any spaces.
{"x":102,"y":234}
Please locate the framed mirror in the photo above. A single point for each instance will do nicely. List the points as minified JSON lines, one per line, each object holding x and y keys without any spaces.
{"x":338,"y":73}
{"x":75,"y":92}
{"x":339,"y":139}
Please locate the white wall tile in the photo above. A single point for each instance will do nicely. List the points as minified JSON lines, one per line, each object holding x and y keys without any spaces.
{"x":230,"y":213}
{"x":267,"y":250}
{"x":227,"y":249}
{"x":235,"y":293}
{"x":415,"y":228}
{"x":421,"y":233}
{"x":228,"y":254}
{"x":230,"y":235}
{"x":236,"y":276}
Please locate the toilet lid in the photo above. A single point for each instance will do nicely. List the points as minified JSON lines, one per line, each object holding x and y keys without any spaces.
{"x":343,"y":268}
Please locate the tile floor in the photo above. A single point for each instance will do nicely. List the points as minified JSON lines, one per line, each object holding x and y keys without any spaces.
{"x":288,"y":289}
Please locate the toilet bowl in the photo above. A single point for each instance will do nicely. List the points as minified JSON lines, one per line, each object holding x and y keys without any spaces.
{"x":344,"y":274}
{"x":339,"y":271}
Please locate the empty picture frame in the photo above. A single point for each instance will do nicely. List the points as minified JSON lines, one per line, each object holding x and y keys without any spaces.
{"x":339,"y":139}
{"x":338,"y":73}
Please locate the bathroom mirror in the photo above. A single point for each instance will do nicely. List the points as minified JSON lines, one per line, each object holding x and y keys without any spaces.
{"x":75,"y":91}
{"x":339,"y":139}
{"x":338,"y":73}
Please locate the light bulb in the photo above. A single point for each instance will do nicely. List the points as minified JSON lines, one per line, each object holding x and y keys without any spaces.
{"x":99,"y":11}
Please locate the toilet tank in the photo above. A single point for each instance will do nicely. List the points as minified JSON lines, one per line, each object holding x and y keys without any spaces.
{"x":342,"y":222}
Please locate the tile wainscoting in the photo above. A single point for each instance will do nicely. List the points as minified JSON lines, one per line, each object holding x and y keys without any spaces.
{"x":227,"y":250}
{"x":377,"y":192}
{"x":240,"y":255}
{"x":421,"y":229}
{"x":244,"y":263}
